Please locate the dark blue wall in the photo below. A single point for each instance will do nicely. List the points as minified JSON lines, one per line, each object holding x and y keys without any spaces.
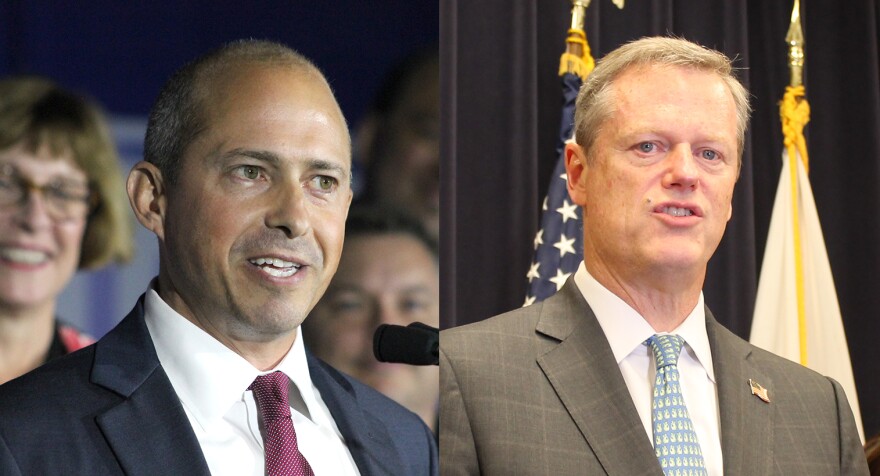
{"x":121,"y":51}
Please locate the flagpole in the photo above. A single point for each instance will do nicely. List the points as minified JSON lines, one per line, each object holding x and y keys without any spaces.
{"x":792,"y":129}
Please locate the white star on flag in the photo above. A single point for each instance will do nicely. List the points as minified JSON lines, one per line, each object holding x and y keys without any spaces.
{"x":564,"y":177}
{"x":559,"y":279}
{"x":567,"y":211}
{"x":544,"y":206}
{"x":539,"y":238}
{"x":564,"y":245}
{"x":533,"y":272}
{"x":529,"y":301}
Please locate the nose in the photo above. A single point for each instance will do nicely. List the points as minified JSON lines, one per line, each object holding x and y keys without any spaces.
{"x":387,"y":309}
{"x":681,"y":169}
{"x":289,"y":212}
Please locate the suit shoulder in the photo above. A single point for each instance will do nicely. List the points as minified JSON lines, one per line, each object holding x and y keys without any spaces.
{"x":779,"y":368}
{"x":53,"y":380}
{"x":516,"y":323}
{"x":792,"y":371}
{"x":65,"y":396}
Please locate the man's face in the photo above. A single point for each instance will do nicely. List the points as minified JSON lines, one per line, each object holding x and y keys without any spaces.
{"x":382,"y":279}
{"x":657,"y":185}
{"x":408,"y":174}
{"x":255,"y":223}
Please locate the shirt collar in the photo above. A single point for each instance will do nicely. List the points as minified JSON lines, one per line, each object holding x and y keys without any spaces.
{"x":207,"y":376}
{"x":626,"y":329}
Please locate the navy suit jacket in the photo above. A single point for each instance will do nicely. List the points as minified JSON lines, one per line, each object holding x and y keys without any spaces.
{"x":110,"y":409}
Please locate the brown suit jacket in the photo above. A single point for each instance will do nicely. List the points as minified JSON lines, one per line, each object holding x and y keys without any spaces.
{"x":538,"y":391}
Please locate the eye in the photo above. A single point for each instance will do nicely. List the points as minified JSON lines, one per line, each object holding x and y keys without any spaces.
{"x":413,"y":305}
{"x":709,"y":154}
{"x":249,"y":172}
{"x":67,"y":191}
{"x":349,"y":303}
{"x":6,"y":182}
{"x":646,"y":147}
{"x":325,"y":183}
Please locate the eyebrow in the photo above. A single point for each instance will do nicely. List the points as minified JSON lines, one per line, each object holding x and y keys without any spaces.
{"x":275,"y":160}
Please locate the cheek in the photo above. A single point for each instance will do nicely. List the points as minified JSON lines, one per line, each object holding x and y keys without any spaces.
{"x":329,"y":231}
{"x":613,"y":195}
{"x":70,"y":239}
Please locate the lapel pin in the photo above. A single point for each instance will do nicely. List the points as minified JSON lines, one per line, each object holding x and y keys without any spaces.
{"x":759,"y":391}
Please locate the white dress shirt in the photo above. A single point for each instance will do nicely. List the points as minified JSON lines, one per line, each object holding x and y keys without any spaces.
{"x":211,"y":382}
{"x":627,"y":331}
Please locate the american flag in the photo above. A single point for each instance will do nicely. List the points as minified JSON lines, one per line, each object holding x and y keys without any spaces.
{"x":559,"y":241}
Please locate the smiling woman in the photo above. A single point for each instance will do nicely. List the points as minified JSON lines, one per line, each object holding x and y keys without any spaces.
{"x":62,"y":207}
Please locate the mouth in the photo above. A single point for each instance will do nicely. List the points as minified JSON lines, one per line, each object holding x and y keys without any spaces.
{"x":679,"y":210}
{"x":276,"y":267}
{"x":23,"y":256}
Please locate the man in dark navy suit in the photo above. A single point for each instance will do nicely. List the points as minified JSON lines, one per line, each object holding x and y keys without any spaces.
{"x":246,"y":184}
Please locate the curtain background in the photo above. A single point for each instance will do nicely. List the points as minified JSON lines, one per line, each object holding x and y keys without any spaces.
{"x":500,"y":111}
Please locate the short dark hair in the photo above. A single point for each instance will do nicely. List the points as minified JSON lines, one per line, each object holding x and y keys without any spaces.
{"x":375,"y":220}
{"x":178,"y":115}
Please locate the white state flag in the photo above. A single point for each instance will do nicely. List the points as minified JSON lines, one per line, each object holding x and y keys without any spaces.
{"x":775,"y":322}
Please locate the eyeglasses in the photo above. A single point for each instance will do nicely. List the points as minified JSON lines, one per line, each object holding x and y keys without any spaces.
{"x":64,"y":199}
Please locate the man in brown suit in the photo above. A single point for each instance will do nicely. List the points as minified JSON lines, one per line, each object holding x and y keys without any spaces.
{"x":565,"y":386}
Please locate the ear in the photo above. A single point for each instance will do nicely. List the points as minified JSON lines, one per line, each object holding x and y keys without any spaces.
{"x":146,"y":193}
{"x":576,"y":169}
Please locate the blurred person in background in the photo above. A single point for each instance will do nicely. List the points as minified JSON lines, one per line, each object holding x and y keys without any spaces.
{"x":399,"y":142}
{"x":388,"y":274}
{"x":62,"y":208}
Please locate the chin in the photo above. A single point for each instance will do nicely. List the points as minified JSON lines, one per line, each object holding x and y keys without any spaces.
{"x":273,"y":322}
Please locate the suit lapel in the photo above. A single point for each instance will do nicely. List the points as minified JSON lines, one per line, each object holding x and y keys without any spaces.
{"x":366,"y":437}
{"x":148,"y":430}
{"x":746,"y":421}
{"x":582,"y":370}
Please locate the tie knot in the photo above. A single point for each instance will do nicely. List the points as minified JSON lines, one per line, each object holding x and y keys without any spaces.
{"x":666,"y":349}
{"x":270,"y":393}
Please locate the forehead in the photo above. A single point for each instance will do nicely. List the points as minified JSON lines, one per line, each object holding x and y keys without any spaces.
{"x":665,"y":96}
{"x":42,"y":161}
{"x":386,"y":250}
{"x":273,"y":101}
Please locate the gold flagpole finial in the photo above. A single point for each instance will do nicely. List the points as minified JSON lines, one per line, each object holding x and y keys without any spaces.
{"x":795,"y":40}
{"x":578,"y":12}
{"x":577,"y":58}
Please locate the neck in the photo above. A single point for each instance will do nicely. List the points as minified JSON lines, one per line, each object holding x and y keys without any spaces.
{"x":25,"y":337}
{"x":262,"y":349}
{"x":663,"y":299}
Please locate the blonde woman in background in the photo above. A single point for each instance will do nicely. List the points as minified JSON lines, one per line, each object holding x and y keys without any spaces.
{"x":62,"y":208}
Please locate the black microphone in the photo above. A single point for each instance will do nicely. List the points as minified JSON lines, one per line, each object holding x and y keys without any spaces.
{"x":415,"y":344}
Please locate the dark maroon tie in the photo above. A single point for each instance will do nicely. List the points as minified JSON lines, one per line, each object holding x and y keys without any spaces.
{"x":279,"y":440}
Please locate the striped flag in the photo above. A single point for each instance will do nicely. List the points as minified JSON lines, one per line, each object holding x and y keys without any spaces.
{"x":559,"y":242}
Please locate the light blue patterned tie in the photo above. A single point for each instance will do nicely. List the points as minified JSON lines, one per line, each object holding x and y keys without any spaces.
{"x":675,"y":441}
